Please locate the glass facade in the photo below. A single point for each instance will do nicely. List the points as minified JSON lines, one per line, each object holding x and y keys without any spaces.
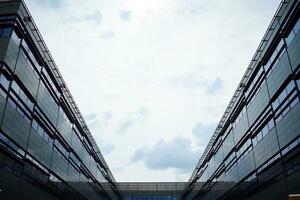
{"x":254,"y":152}
{"x":151,"y":190}
{"x":46,"y":149}
{"x":48,"y":152}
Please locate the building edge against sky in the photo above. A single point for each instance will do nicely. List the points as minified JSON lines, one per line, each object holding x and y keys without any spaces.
{"x":254,"y":151}
{"x":45,"y":141}
{"x":47,"y":151}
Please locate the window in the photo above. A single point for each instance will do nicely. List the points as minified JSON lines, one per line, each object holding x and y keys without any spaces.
{"x":47,"y":103}
{"x":244,"y":150}
{"x":275,"y":57}
{"x":73,"y":172}
{"x":4,"y":82}
{"x":255,"y":83}
{"x":268,"y":163}
{"x":298,"y":83}
{"x":5,"y":31}
{"x":63,"y":114}
{"x":29,"y":55}
{"x":230,"y":159}
{"x":293,"y":33}
{"x":291,"y":146}
{"x":8,"y":143}
{"x":34,"y":125}
{"x":297,"y":26}
{"x":265,"y":130}
{"x":2,"y":93}
{"x":61,"y":148}
{"x":22,"y":112}
{"x":50,"y":82}
{"x":283,"y":95}
{"x":30,"y":63}
{"x":290,"y":38}
{"x":286,"y":100}
{"x":75,"y":159}
{"x":15,"y":38}
{"x":256,"y":93}
{"x":21,"y":95}
{"x":36,"y":170}
{"x":7,"y":17}
{"x":41,"y":132}
{"x":60,"y":154}
{"x":239,"y":117}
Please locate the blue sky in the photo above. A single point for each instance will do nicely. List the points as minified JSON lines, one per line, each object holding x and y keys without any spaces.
{"x":152,"y":78}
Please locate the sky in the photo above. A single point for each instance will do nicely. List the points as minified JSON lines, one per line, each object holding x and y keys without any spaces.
{"x":152,"y":77}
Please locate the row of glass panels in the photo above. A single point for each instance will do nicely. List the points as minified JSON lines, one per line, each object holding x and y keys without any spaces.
{"x":33,"y":119}
{"x":269,"y":117}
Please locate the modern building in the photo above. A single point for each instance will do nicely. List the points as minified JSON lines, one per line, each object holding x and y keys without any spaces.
{"x":254,"y":152}
{"x":46,"y":148}
{"x":48,"y":152}
{"x":152,"y":190}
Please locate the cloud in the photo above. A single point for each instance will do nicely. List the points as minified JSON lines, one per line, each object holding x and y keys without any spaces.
{"x":90,"y":117}
{"x":53,"y":4}
{"x":131,"y":59}
{"x":215,"y":86}
{"x":95,"y":17}
{"x":125,"y":15}
{"x":107,"y":116}
{"x":199,"y":8}
{"x":124,"y":126}
{"x":197,"y":80}
{"x":195,"y":7}
{"x":94,"y":120}
{"x":96,"y":124}
{"x":141,"y":115}
{"x":108,"y":34}
{"x":189,"y":80}
{"x":177,"y":154}
{"x":203,"y":131}
{"x":106,"y":148}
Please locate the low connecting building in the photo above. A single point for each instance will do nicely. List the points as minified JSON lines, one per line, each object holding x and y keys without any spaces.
{"x":48,"y":152}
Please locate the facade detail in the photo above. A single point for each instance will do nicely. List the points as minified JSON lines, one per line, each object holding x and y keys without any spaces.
{"x":48,"y":152}
{"x":254,"y":151}
{"x":46,"y":149}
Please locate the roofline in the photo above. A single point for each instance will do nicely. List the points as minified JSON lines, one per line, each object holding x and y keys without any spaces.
{"x":251,"y":67}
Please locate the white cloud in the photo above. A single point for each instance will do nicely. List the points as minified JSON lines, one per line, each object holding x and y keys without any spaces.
{"x":106,"y":149}
{"x":215,"y":86}
{"x":94,"y":17}
{"x":108,"y":34}
{"x":177,"y":154}
{"x":203,"y":132}
{"x":132,"y":118}
{"x":54,"y":4}
{"x":180,"y":60}
{"x":125,"y":15}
